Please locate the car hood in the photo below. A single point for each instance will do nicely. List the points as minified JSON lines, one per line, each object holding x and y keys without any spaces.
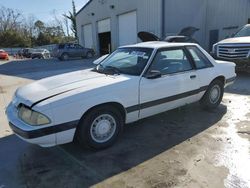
{"x":243,"y":40}
{"x":147,"y":36}
{"x":50,"y":87}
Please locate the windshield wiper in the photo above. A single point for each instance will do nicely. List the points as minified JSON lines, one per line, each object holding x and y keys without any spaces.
{"x":113,"y":69}
{"x":107,"y":70}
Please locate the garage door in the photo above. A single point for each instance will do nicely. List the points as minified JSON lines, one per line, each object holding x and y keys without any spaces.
{"x":87,"y":36}
{"x":127,"y":28}
{"x":103,"y":26}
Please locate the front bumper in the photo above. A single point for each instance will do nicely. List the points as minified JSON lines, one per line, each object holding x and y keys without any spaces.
{"x":35,"y":135}
{"x":45,"y":136}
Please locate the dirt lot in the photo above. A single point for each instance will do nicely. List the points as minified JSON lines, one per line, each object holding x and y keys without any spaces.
{"x":187,"y":147}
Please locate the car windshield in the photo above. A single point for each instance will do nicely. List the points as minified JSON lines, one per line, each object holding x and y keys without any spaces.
{"x":39,"y":50}
{"x":244,"y":32}
{"x":129,"y":61}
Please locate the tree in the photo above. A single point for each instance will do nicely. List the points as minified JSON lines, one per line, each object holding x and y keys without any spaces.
{"x":72,"y":18}
{"x":40,"y":27}
{"x":9,"y":19}
{"x":19,"y":31}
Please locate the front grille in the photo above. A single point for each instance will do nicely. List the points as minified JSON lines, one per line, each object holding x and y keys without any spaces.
{"x":233,"y":51}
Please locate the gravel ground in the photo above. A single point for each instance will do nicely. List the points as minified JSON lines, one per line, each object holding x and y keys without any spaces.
{"x":186,"y":147}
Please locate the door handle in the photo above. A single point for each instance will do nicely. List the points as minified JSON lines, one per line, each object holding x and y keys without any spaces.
{"x":192,"y":76}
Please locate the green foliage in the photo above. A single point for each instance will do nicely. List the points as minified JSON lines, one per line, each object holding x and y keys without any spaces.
{"x":15,"y":33}
{"x":72,"y":18}
{"x":12,"y":38}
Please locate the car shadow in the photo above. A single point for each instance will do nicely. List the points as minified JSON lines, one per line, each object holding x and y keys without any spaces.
{"x":73,"y":166}
{"x":241,"y":84}
{"x":36,"y":69}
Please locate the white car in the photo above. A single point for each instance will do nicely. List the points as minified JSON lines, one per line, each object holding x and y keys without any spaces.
{"x":132,"y":83}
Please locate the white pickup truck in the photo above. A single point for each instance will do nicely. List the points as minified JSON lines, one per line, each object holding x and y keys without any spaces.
{"x":235,"y":49}
{"x":132,"y":83}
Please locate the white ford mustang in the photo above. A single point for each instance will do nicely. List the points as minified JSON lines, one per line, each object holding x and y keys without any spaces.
{"x":132,"y":83}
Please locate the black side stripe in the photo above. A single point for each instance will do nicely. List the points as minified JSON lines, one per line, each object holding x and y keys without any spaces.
{"x":230,"y":79}
{"x":44,"y":131}
{"x":164,"y":100}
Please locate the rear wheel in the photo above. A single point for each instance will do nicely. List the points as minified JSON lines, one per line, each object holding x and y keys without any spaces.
{"x":65,"y":57}
{"x":100,"y":128}
{"x":213,"y":95}
{"x":89,"y":55}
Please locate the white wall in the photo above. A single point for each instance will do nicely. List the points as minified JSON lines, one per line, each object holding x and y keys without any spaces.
{"x":204,"y":14}
{"x":87,"y":36}
{"x":127,"y":28}
{"x":148,"y":15}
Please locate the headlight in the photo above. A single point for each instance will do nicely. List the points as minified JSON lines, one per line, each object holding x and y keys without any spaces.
{"x":214,"y":50}
{"x":32,"y":117}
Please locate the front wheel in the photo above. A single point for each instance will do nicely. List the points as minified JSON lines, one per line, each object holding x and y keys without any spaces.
{"x":213,"y":95}
{"x":100,"y":128}
{"x":65,"y":57}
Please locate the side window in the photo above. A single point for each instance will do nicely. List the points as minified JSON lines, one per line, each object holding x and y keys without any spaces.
{"x":78,"y":46}
{"x":200,"y":59}
{"x":71,"y":46}
{"x":171,"y":61}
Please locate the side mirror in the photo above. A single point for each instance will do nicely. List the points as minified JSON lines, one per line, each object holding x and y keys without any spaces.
{"x":153,"y":74}
{"x":99,"y":60}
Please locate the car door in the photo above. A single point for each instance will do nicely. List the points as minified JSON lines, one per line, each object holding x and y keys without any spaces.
{"x":70,"y":48}
{"x":80,"y":50}
{"x":203,"y":67}
{"x":177,"y":86}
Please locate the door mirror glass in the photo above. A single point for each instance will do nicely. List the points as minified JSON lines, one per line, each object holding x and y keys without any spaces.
{"x":153,"y":74}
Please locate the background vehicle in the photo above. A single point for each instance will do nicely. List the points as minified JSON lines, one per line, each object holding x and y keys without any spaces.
{"x":4,"y":55}
{"x":40,"y":54}
{"x":185,"y":35}
{"x":26,"y":52}
{"x":70,"y":50}
{"x":235,"y":49}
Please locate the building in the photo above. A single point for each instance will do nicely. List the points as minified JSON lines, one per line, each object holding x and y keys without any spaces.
{"x":105,"y":25}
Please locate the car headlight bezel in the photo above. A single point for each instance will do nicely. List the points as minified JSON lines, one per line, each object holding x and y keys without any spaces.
{"x":214,"y":49}
{"x":31,"y":117}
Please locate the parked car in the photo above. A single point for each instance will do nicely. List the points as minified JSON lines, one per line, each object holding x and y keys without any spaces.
{"x":26,"y":52}
{"x":4,"y":55}
{"x":236,"y":49}
{"x":40,"y":54}
{"x":132,"y":83}
{"x":70,"y":50}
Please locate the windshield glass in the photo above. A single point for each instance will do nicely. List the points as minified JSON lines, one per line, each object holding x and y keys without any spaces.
{"x":126,"y":61}
{"x":39,"y":50}
{"x":244,"y":32}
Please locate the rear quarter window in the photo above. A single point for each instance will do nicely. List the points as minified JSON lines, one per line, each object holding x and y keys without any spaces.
{"x":200,"y":60}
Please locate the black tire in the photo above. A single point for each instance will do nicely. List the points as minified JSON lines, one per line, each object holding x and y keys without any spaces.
{"x":210,"y":102}
{"x":85,"y":128}
{"x":65,"y":57}
{"x":89,"y":55}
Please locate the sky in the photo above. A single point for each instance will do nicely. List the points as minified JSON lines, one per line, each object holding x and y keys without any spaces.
{"x":42,"y":9}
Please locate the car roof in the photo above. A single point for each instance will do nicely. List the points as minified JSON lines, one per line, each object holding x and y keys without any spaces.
{"x":158,"y":44}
